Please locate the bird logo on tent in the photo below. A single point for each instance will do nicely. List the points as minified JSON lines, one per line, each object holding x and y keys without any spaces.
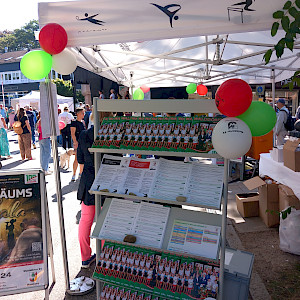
{"x":91,"y":19}
{"x":170,"y":14}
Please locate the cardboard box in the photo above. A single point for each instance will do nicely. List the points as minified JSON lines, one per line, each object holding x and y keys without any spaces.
{"x":287,"y":198}
{"x":247,"y":204}
{"x":277,"y":153}
{"x":291,"y":155}
{"x":268,"y":200}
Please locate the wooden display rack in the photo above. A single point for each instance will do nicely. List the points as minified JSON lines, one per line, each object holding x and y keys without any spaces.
{"x":170,"y":106}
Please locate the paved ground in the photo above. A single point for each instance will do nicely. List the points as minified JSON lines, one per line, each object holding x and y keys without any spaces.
{"x":72,"y":214}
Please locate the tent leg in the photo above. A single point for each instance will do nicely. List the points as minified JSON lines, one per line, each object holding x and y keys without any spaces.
{"x":223,"y":233}
{"x":273,"y":97}
{"x":58,"y":182}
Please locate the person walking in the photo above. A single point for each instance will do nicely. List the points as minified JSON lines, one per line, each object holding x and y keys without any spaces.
{"x":112,"y":94}
{"x":11,"y":116}
{"x":31,"y":118}
{"x":282,"y":115}
{"x":4,"y":144}
{"x":45,"y":148}
{"x":76,"y":127}
{"x":85,"y":158}
{"x":67,"y":118}
{"x":2,"y":111}
{"x":24,"y":139}
{"x":101,"y":95}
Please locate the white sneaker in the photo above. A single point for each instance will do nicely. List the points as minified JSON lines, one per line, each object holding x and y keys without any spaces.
{"x":48,"y":173}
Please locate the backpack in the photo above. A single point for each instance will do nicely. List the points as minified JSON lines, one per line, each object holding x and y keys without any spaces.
{"x":289,"y":124}
{"x":17,"y":126}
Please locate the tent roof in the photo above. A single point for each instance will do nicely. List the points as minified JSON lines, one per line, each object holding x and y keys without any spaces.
{"x":35,"y":95}
{"x":130,"y":45}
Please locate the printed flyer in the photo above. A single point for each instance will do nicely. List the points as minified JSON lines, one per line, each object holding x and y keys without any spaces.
{"x":155,"y":274}
{"x":21,"y":235}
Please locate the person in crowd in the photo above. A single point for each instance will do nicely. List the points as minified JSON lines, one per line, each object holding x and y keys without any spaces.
{"x":298,"y":113}
{"x":67,"y":118}
{"x":31,"y":118}
{"x":86,"y":159}
{"x":112,"y":94}
{"x":2,"y":111}
{"x":76,"y":127}
{"x":24,"y":139}
{"x":101,"y":95}
{"x":45,"y":148}
{"x":87,"y":115}
{"x":4,"y":144}
{"x":282,"y":115}
{"x":11,"y":116}
{"x":6,"y":116}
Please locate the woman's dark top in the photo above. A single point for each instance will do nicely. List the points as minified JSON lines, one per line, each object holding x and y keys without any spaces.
{"x":23,"y":123}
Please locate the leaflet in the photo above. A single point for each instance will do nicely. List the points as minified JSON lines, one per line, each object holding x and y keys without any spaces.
{"x":170,"y":179}
{"x":205,"y":185}
{"x":111,"y":173}
{"x":139,"y":177}
{"x":193,"y":238}
{"x":144,"y":220}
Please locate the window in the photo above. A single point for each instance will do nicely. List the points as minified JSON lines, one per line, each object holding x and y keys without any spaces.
{"x":7,"y":76}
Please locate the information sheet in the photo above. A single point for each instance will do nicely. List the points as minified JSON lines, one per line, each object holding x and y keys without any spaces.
{"x":170,"y":179}
{"x":205,"y":185}
{"x":111,"y":173}
{"x":144,"y":220}
{"x":139,"y":177}
{"x":193,"y":238}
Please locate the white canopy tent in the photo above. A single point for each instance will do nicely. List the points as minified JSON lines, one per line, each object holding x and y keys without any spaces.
{"x":208,"y":44}
{"x":33,"y":99}
{"x":159,"y":44}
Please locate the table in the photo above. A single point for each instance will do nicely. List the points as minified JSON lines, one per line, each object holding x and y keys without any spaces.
{"x":280,"y":173}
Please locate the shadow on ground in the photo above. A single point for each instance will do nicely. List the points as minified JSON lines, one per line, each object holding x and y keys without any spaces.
{"x":71,"y":187}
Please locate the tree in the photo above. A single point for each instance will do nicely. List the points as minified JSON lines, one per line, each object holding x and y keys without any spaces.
{"x":20,"y":39}
{"x":289,"y":20}
{"x":65,"y":88}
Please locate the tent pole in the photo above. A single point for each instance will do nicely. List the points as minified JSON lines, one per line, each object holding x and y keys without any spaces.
{"x":223,"y":230}
{"x":52,"y":111}
{"x":273,"y":98}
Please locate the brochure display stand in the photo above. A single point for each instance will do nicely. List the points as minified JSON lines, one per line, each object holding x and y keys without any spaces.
{"x":206,"y":227}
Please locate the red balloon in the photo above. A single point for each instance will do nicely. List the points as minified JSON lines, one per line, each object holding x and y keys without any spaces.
{"x":233,"y":97}
{"x":61,"y":125}
{"x":145,"y":89}
{"x":53,"y":38}
{"x":202,"y":90}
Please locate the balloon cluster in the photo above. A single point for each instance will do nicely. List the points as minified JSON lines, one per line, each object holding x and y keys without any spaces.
{"x":139,"y":93}
{"x":192,"y":88}
{"x":232,"y":136}
{"x":53,"y":39}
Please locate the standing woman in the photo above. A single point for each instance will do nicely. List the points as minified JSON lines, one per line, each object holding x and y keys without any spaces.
{"x":24,"y":139}
{"x":4,"y":146}
{"x":86,"y":158}
{"x":11,"y":116}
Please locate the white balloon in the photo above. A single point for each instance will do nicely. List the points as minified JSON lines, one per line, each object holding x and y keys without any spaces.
{"x":64,"y":63}
{"x":231,"y":138}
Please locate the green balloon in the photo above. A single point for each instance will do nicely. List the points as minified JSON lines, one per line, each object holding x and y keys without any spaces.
{"x":36,"y":64}
{"x":260,"y":117}
{"x":191,"y":88}
{"x":138,"y":95}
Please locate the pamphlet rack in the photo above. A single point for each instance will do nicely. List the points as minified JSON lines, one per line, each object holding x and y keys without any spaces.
{"x":158,"y":106}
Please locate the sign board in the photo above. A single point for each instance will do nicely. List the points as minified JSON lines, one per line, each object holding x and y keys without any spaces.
{"x":23,"y":240}
{"x":260,"y":89}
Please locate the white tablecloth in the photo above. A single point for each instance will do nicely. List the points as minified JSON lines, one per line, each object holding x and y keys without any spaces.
{"x":280,"y":173}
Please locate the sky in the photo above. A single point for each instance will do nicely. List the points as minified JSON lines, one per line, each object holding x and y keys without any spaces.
{"x":16,"y":13}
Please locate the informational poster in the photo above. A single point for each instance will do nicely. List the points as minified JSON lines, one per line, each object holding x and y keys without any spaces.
{"x":23,"y":247}
{"x":193,"y":238}
{"x":205,"y":185}
{"x":147,"y":222}
{"x":111,"y":173}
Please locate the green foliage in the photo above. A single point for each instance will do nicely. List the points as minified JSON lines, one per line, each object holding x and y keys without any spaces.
{"x":20,"y":39}
{"x":289,"y":20}
{"x":65,"y":88}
